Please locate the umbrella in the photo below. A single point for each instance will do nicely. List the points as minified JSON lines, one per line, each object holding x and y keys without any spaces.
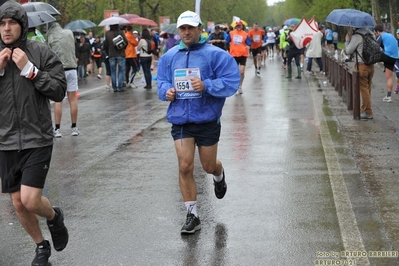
{"x":80,"y":24}
{"x":79,"y":31}
{"x":129,"y":16}
{"x":233,"y":24}
{"x":350,"y":17}
{"x":38,"y":18}
{"x":40,"y":6}
{"x":143,"y":22}
{"x":291,"y":21}
{"x":171,"y":28}
{"x":113,"y":21}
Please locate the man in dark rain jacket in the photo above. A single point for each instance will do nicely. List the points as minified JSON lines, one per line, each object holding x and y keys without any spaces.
{"x":30,"y":75}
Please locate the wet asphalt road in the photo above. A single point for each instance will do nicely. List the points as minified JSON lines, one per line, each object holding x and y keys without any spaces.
{"x":293,"y":187}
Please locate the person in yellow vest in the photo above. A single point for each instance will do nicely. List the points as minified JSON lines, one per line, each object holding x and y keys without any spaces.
{"x":284,"y":45}
{"x":239,"y":47}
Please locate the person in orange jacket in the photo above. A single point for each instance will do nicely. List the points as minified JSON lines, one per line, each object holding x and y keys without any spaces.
{"x":256,"y":35}
{"x":132,"y":62}
{"x":239,"y":46}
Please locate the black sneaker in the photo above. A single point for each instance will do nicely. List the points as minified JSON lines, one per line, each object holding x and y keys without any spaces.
{"x":191,"y":225}
{"x":220,"y":188}
{"x":42,"y":255}
{"x":59,"y":233}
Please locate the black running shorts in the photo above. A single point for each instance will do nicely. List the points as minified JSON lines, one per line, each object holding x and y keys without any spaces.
{"x":389,"y":62}
{"x":241,"y":60}
{"x":27,"y":167}
{"x":205,"y":134}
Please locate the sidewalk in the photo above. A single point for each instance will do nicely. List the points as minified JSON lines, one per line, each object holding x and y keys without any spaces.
{"x":374,"y":145}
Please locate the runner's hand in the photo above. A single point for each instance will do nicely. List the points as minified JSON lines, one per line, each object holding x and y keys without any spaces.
{"x":197,"y":84}
{"x":171,"y":94}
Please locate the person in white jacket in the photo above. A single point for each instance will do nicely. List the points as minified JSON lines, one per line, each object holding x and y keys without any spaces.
{"x":314,"y":51}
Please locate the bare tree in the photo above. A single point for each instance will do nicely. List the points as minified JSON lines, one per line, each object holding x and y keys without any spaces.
{"x":375,"y":7}
{"x":393,"y":15}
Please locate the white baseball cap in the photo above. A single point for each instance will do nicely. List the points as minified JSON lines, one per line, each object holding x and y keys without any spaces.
{"x":135,"y":31}
{"x":188,"y":18}
{"x":285,"y":27}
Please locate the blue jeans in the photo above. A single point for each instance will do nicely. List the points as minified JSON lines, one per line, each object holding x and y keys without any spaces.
{"x":82,"y":70}
{"x":146,"y":65}
{"x":318,"y":61}
{"x":120,"y":62}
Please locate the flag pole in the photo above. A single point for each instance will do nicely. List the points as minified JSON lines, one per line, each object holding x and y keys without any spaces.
{"x":198,"y":7}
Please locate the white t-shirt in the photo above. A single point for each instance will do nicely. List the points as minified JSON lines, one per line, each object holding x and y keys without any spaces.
{"x":271,"y":37}
{"x":137,"y":50}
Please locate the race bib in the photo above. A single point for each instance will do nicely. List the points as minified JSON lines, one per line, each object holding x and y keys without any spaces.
{"x":237,"y":39}
{"x":182,"y":82}
{"x":257,"y":38}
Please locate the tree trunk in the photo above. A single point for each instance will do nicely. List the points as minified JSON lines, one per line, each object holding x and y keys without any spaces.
{"x":376,"y":11}
{"x":393,"y":15}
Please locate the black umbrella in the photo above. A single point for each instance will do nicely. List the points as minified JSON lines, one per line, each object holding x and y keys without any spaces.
{"x":38,"y":18}
{"x":40,"y":6}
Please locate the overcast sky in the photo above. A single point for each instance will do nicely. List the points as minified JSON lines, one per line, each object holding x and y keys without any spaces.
{"x":271,"y":2}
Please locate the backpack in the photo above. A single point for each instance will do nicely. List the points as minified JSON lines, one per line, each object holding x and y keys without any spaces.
{"x":372,"y":53}
{"x":150,"y":47}
{"x":119,"y":42}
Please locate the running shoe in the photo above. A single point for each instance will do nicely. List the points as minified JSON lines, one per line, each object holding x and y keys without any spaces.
{"x":397,"y":90}
{"x":57,"y":133}
{"x":43,"y":253}
{"x":191,"y":225}
{"x":220,"y":188}
{"x":75,"y":131}
{"x":99,"y":76}
{"x":387,"y":99}
{"x":59,"y":233}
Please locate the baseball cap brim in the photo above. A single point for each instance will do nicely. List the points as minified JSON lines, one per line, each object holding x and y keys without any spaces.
{"x":193,"y":24}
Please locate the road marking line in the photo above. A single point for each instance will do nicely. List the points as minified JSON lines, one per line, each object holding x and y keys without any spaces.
{"x":350,"y":233}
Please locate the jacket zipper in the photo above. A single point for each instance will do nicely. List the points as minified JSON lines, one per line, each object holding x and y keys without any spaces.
{"x":18,"y":122}
{"x":186,"y":102}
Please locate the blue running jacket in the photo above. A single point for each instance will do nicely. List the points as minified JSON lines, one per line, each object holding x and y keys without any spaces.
{"x":219,"y":72}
